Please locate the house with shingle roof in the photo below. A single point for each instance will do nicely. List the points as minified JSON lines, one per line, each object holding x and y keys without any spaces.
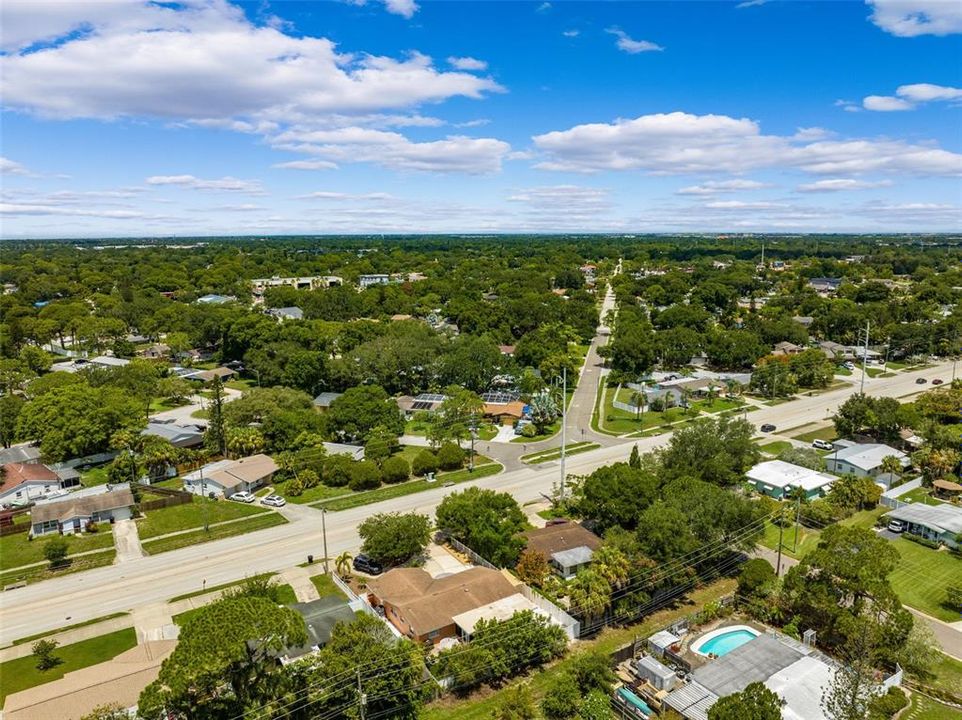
{"x":23,"y":483}
{"x":568,"y":546}
{"x":226,"y":477}
{"x":73,"y":513}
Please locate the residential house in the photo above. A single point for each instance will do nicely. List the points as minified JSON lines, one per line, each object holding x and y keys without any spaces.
{"x":74,"y":512}
{"x":206,"y":376}
{"x":778,"y":479}
{"x":568,"y":546}
{"x":226,"y":477}
{"x":182,"y":436}
{"x":286,"y":313}
{"x":500,"y":610}
{"x":787,"y":348}
{"x":425,"y":402}
{"x":824,"y":285}
{"x":323,"y":401}
{"x":507,"y":350}
{"x":23,"y":483}
{"x":320,"y":617}
{"x":835,"y":351}
{"x":23,"y":453}
{"x":423,"y":608}
{"x":355,"y":452}
{"x":940,"y":523}
{"x":804,"y":320}
{"x":864,"y":460}
{"x":157,"y":351}
{"x":366,"y":281}
{"x":72,"y":366}
{"x":77,"y":694}
{"x":307,"y":282}
{"x":506,"y":413}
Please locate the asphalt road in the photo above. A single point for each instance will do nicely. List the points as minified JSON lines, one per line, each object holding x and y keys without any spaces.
{"x":94,"y":593}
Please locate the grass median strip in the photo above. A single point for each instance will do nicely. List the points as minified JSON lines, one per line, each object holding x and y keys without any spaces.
{"x":389,"y":492}
{"x":75,"y":626}
{"x":175,"y":542}
{"x":22,"y":673}
{"x":555,"y":453}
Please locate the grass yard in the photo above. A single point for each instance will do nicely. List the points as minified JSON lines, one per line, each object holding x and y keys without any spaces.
{"x":865,"y":518}
{"x":482,"y":704}
{"x":922,"y":576}
{"x":18,"y":549}
{"x":258,"y":522}
{"x":549,"y":432}
{"x":85,"y":623}
{"x":185,"y":517}
{"x":920,"y":495}
{"x":810,"y":434}
{"x":922,"y":708}
{"x":43,"y":572}
{"x":222,"y":586}
{"x":387,"y":492}
{"x":774,"y":448}
{"x":22,"y":673}
{"x":94,"y":476}
{"x":843,"y":371}
{"x":947,"y":674}
{"x":326,"y":587}
{"x":555,"y":453}
{"x":793,"y":546}
{"x":158,"y":404}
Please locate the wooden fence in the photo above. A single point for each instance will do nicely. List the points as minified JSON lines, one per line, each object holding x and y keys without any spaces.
{"x":170,"y":499}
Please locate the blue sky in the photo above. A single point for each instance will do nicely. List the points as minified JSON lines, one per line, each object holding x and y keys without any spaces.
{"x":124,"y":117}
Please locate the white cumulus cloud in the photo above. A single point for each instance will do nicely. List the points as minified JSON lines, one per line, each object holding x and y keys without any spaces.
{"x":841,"y":184}
{"x":627,"y":44}
{"x":907,"y":97}
{"x":11,"y":167}
{"x":467,"y":63}
{"x":721,"y":186}
{"x":224,"y":184}
{"x":910,"y":18}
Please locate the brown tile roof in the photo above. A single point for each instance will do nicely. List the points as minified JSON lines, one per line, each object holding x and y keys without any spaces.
{"x":563,"y":536}
{"x":81,"y":507}
{"x":15,"y":474}
{"x":77,"y":693}
{"x":428,"y":604}
{"x":249,"y":469}
{"x":514,"y":409}
{"x":221,"y":372}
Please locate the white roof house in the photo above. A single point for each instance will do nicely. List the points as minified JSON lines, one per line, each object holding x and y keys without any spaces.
{"x":941,"y":523}
{"x":863,"y":459}
{"x":500,"y":610}
{"x":801,"y":686}
{"x":777,"y":478}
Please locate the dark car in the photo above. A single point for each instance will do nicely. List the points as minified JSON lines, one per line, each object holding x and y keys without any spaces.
{"x":937,"y":381}
{"x":921,"y":381}
{"x":767,"y":427}
{"x":364,"y":564}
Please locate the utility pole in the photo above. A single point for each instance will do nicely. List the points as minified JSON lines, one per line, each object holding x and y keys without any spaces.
{"x":362,"y":701}
{"x":564,"y":424}
{"x":204,"y":499}
{"x":868,"y":325}
{"x":781,"y":517}
{"x":798,"y":512}
{"x":474,"y":432}
{"x":327,"y":569}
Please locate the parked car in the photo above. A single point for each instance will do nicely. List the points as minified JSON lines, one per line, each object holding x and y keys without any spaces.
{"x":921,"y":381}
{"x":937,"y":381}
{"x":243,"y":496}
{"x":822,"y":444}
{"x":896,"y":526}
{"x":362,"y":563}
{"x":849,"y":366}
{"x":273,"y":501}
{"x":767,"y":427}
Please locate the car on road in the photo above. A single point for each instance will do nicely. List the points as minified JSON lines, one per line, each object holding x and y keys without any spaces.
{"x":820,"y":444}
{"x":767,"y":427}
{"x":273,"y":501}
{"x":243,"y":496}
{"x":921,"y":381}
{"x":896,"y":526}
{"x":362,"y":563}
{"x":937,"y":381}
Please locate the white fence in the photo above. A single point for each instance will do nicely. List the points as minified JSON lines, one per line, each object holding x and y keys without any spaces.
{"x":360,"y":604}
{"x":889,"y":497}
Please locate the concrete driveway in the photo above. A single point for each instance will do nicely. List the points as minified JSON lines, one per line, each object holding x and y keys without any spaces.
{"x":127,"y":542}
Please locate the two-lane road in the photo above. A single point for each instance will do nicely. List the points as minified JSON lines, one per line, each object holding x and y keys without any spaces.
{"x":75,"y":598}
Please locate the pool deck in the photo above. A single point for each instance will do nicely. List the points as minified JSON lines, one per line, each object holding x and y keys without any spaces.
{"x":695,"y":660}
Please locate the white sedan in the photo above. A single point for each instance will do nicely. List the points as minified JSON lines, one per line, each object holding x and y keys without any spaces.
{"x":243,"y":496}
{"x":273,"y":501}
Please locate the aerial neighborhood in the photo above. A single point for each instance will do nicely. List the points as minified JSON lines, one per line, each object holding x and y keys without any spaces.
{"x":638,"y":482}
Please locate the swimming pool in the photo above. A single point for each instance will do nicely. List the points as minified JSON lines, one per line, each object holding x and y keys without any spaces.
{"x":724,"y":640}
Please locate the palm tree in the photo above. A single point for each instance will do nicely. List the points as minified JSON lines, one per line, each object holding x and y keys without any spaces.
{"x":342,"y":564}
{"x":639,"y":399}
{"x":891,"y":465}
{"x":612,"y":564}
{"x":589,"y":594}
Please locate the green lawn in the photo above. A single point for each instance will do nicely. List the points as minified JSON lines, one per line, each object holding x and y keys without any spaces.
{"x":843,"y":371}
{"x":922,"y":708}
{"x":920,"y":495}
{"x":947,"y":674}
{"x":241,"y":384}
{"x":824,"y":433}
{"x":22,"y":673}
{"x":387,"y":492}
{"x":192,"y":515}
{"x":326,"y":587}
{"x":213,"y":588}
{"x":258,"y":522}
{"x":92,"y":621}
{"x":555,"y":454}
{"x":549,"y":432}
{"x":922,"y":576}
{"x":619,"y":422}
{"x":774,"y":448}
{"x":481,"y":705}
{"x":94,"y":476}
{"x":865,"y":518}
{"x":793,"y":546}
{"x":43,"y":572}
{"x":487,"y":431}
{"x":416,"y":427}
{"x":18,"y":549}
{"x":161,"y":404}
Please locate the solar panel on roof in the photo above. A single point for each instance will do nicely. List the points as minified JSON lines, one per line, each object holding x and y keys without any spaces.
{"x":499,"y":397}
{"x":430,"y":397}
{"x":421,"y":405}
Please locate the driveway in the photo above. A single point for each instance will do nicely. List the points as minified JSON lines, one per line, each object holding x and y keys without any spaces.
{"x":127,"y":542}
{"x":440,"y":562}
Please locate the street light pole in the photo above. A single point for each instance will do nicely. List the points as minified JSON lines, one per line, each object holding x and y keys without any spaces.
{"x":564,"y":424}
{"x":327,"y":569}
{"x":868,"y":325}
